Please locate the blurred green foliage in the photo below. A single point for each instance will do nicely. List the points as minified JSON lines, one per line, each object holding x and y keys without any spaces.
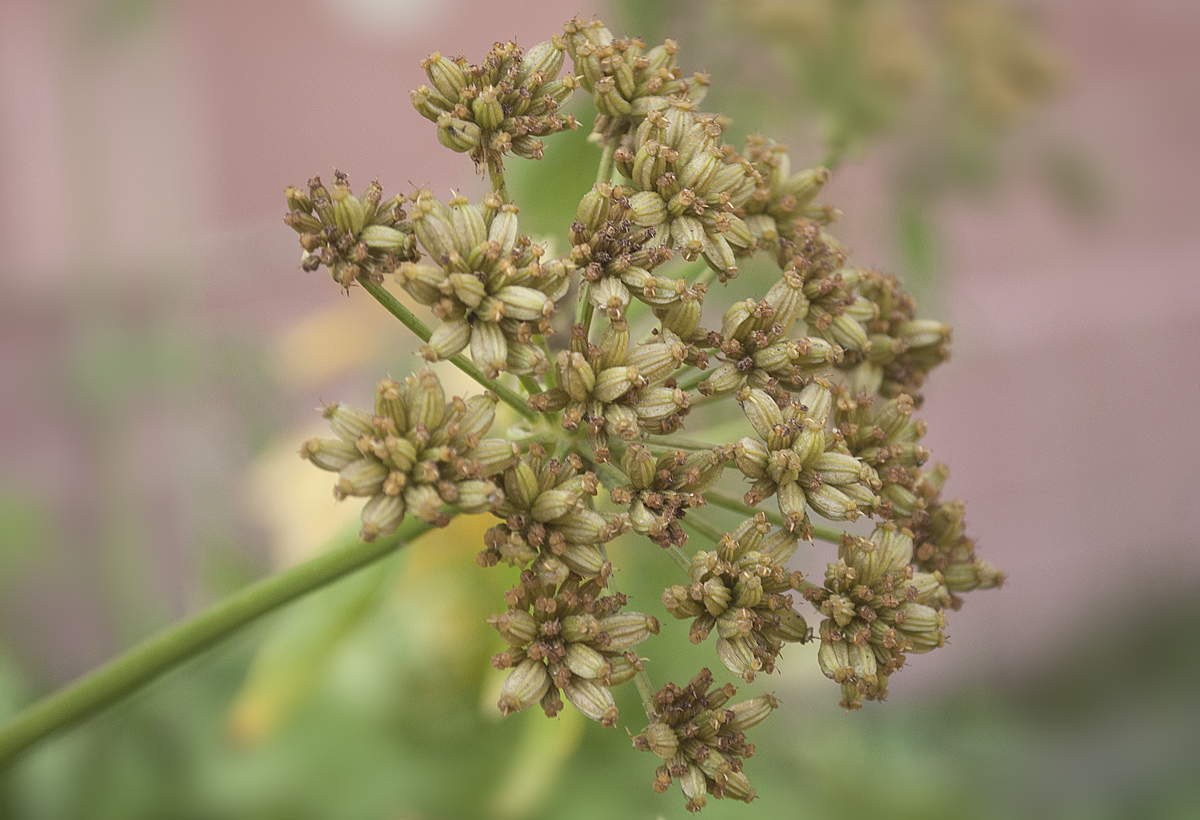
{"x":396,"y":719}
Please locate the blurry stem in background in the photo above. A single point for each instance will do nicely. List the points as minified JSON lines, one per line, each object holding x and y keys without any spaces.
{"x":406,"y":317}
{"x":820,"y":531}
{"x":154,"y":657}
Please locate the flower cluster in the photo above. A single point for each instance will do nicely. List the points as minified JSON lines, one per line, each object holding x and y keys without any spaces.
{"x":701,"y":741}
{"x":616,"y":256}
{"x":501,"y":106}
{"x":567,"y":637}
{"x":877,"y":609}
{"x":351,"y":236}
{"x":416,"y":453}
{"x":626,"y":80}
{"x":487,"y":283}
{"x":689,"y":185}
{"x":549,"y":522}
{"x":754,"y":348}
{"x":800,"y":462}
{"x":809,"y":391}
{"x":612,"y":389}
{"x":743,"y":590}
{"x":661,"y":491}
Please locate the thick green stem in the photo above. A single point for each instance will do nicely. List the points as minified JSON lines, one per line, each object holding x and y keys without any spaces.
{"x":605,"y":171}
{"x":496,"y":172}
{"x":158,"y":655}
{"x":410,"y":321}
{"x":821,"y":531}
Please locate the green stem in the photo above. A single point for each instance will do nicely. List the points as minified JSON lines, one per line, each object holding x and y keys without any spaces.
{"x":496,"y":172}
{"x":703,"y":401}
{"x":681,"y":559}
{"x":584,"y":310}
{"x":820,"y":531}
{"x":613,"y":474}
{"x":706,"y":276}
{"x":156,"y":656}
{"x":692,"y":383}
{"x":410,"y":321}
{"x":605,"y":171}
{"x":837,"y":152}
{"x":645,"y":691}
{"x":675,"y":442}
{"x":530,"y":384}
{"x":707,"y":530}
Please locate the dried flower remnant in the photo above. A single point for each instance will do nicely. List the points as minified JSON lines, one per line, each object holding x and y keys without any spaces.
{"x":624,"y":426}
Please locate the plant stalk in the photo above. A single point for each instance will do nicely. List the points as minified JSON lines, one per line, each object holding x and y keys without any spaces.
{"x":645,"y":691}
{"x":161,"y":653}
{"x":410,"y":321}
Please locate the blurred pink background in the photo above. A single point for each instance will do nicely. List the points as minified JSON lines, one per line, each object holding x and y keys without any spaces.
{"x":144,"y":148}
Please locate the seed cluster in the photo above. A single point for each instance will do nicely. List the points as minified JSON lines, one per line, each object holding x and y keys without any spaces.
{"x":800,"y":462}
{"x":878,"y":608}
{"x":416,"y":453}
{"x":626,"y":80}
{"x":743,"y":590}
{"x":351,"y":236}
{"x":549,"y":521}
{"x":611,"y":389}
{"x":614,"y":253}
{"x":754,"y":347}
{"x":815,"y":386}
{"x":500,"y":106}
{"x":486,"y":283}
{"x":661,"y":491}
{"x":701,"y":741}
{"x":569,"y":638}
{"x":690,"y":186}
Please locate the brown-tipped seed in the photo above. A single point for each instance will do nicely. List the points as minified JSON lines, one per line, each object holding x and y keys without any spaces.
{"x":628,"y":629}
{"x":658,"y":738}
{"x":524,"y":686}
{"x":592,"y":699}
